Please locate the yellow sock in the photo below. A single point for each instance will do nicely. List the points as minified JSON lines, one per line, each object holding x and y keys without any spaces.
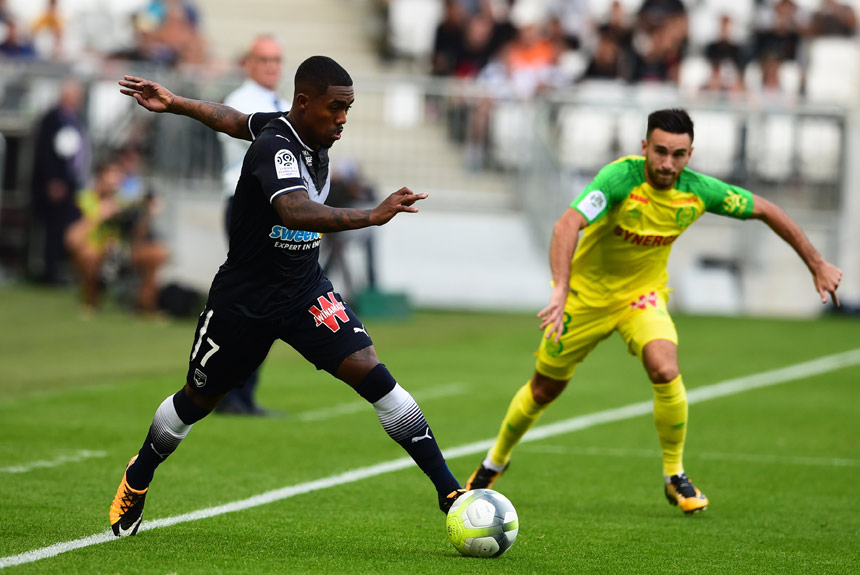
{"x":670,"y":417}
{"x":522,"y":413}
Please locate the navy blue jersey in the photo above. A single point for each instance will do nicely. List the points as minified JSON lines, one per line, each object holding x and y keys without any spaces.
{"x":270,"y":269}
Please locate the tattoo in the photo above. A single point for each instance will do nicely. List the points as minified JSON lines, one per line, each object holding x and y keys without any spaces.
{"x":219,"y":117}
{"x":363,"y":355}
{"x":297,"y":211}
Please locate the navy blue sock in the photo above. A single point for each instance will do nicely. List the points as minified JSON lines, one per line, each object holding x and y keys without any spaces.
{"x":404,"y":422}
{"x":172,"y":422}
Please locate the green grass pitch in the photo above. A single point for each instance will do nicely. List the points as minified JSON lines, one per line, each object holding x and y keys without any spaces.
{"x":780,"y":464}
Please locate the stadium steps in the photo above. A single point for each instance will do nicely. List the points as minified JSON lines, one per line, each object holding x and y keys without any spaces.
{"x":341,"y":29}
{"x":426,"y":160}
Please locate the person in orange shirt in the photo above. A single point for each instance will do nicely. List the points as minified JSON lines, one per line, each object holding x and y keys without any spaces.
{"x":48,"y":31}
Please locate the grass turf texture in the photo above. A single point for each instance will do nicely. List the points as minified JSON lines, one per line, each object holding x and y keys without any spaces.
{"x":780,"y":464}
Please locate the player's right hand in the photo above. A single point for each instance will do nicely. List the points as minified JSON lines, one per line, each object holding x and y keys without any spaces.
{"x":553,"y":314}
{"x":151,"y":95}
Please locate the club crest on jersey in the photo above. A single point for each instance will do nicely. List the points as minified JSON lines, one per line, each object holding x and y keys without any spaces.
{"x":329,"y":312}
{"x":199,"y":378}
{"x":685,"y":216}
{"x":286,"y":165}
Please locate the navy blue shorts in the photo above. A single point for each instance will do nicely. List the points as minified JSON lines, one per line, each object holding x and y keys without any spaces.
{"x":227,"y":349}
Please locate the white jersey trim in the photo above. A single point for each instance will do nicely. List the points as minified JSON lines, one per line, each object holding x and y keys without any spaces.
{"x":293,"y":130}
{"x":284,"y":191}
{"x":253,"y":135}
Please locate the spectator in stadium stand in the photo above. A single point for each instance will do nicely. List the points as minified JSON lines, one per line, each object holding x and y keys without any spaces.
{"x":726,"y":60}
{"x":659,"y":41}
{"x":172,"y":26}
{"x":617,"y":26}
{"x":111,"y":233}
{"x":263,"y":65}
{"x":477,"y":46}
{"x":833,"y":19}
{"x":47,"y":32}
{"x":15,"y":45}
{"x":654,"y":14}
{"x":272,"y":287}
{"x":771,"y":91}
{"x":779,"y":29}
{"x":144,"y":46}
{"x":608,"y":257}
{"x":606,"y":61}
{"x":61,"y":162}
{"x":448,"y":39}
{"x":573,"y":21}
{"x":523,"y":68}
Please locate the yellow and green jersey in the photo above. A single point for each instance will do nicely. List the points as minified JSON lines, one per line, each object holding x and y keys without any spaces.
{"x":105,"y":232}
{"x":632,"y":227}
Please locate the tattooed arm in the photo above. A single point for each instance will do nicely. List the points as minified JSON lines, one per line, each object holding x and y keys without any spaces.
{"x":157,"y":98}
{"x":298,"y":212}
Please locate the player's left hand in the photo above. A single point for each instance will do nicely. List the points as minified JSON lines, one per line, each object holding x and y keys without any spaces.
{"x":400,"y":201}
{"x":827,"y":277}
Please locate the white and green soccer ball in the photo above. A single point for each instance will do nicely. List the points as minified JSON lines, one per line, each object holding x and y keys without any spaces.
{"x":482,"y":523}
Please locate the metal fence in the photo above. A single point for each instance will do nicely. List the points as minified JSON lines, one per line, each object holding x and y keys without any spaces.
{"x":474,"y":150}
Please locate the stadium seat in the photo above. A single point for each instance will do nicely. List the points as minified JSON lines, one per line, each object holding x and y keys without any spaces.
{"x":717,"y":143}
{"x":694,"y":73}
{"x":509,"y":120}
{"x":412,"y":26}
{"x":586,"y":137}
{"x":107,"y":108}
{"x":833,"y":72}
{"x":790,"y":78}
{"x":599,"y":9}
{"x":603,"y":91}
{"x":404,"y":105}
{"x":632,"y":125}
{"x":819,"y":150}
{"x":771,"y":144}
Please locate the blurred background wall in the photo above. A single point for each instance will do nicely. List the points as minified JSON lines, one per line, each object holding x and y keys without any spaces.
{"x":501,"y":110}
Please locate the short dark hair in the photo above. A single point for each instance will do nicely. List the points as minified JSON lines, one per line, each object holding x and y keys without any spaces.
{"x":320,"y":72}
{"x":672,"y":120}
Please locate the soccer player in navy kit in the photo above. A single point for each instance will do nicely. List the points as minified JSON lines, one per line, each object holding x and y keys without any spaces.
{"x":271,"y":286}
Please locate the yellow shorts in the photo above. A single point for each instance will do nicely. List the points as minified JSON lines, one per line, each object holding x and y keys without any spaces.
{"x":641,"y":320}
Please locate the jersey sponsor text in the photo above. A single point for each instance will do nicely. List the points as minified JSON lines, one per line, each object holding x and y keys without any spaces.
{"x":650,"y":240}
{"x":329,"y":311}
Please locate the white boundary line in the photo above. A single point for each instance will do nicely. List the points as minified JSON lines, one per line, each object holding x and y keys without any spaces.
{"x":75,"y":457}
{"x":351,"y":407}
{"x":725,"y":388}
{"x":713,"y":455}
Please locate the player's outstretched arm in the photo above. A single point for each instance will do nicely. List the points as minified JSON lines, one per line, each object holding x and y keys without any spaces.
{"x":156,"y":98}
{"x":298,"y":212}
{"x":825,"y":275}
{"x":565,"y":236}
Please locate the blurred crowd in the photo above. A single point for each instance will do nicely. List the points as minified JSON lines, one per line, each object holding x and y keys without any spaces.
{"x":517,"y":49}
{"x":532,"y":45}
{"x":163,"y":32}
{"x":94,"y":225}
{"x":94,"y":228}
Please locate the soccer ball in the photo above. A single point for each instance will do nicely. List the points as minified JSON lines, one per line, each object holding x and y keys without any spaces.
{"x":482,"y":523}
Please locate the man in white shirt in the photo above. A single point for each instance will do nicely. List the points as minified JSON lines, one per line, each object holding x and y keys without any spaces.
{"x":263,"y":67}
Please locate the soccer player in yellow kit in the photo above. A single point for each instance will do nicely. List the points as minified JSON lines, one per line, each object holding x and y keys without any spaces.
{"x":632,"y":213}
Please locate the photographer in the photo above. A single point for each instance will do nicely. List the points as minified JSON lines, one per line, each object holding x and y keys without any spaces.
{"x":110,"y":236}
